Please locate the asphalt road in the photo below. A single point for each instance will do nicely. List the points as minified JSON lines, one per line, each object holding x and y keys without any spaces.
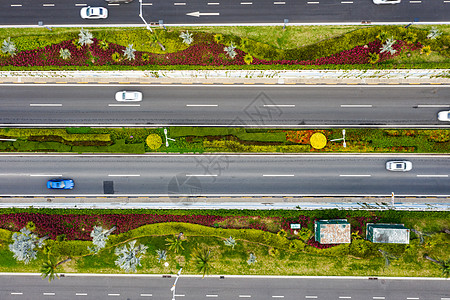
{"x":59,"y":12}
{"x":228,"y":288}
{"x":225,"y":105}
{"x":206,"y":175}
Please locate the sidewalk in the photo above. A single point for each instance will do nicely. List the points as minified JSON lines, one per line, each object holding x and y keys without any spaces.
{"x":166,"y":202}
{"x":419,"y":76}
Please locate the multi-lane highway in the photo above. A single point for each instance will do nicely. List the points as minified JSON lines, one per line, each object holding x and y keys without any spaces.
{"x":19,"y":287}
{"x":60,"y":12}
{"x":224,"y":105}
{"x":222,"y":175}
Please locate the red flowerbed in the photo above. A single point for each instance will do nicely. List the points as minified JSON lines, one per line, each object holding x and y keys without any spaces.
{"x":205,"y":54}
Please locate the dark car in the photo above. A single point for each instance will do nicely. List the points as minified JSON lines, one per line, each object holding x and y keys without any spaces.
{"x":60,"y":184}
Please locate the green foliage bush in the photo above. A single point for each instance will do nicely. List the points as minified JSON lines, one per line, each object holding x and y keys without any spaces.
{"x":118,"y":147}
{"x":241,"y":133}
{"x":25,"y":133}
{"x":69,"y":248}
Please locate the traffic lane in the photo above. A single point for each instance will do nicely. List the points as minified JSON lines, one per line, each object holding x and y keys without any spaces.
{"x":133,"y":287}
{"x":203,"y":106}
{"x":224,"y":175}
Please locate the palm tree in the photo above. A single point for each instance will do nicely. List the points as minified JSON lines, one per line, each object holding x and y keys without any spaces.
{"x":162,"y":255}
{"x":85,"y":37}
{"x":387,"y":47}
{"x":129,"y":258}
{"x":230,"y":242}
{"x":230,"y":50}
{"x":49,"y":268}
{"x":175,"y":244}
{"x":252,"y":259}
{"x":187,"y":37}
{"x":64,"y":53}
{"x":202,"y":259}
{"x":444,"y":265}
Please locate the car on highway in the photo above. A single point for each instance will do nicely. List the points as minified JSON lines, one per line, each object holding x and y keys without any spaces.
{"x":386,"y":1}
{"x":444,"y":115}
{"x":129,"y":96}
{"x":94,"y":13}
{"x":60,"y":184}
{"x":399,"y":165}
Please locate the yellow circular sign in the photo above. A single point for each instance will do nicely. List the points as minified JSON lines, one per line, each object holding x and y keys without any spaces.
{"x":318,"y":140}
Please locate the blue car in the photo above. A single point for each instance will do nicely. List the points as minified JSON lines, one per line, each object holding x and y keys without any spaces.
{"x":60,"y":184}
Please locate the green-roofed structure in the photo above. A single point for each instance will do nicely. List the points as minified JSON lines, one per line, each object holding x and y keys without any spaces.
{"x":387,"y":233}
{"x":332,"y":231}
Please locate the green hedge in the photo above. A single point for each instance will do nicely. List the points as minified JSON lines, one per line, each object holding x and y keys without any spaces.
{"x":63,"y":133}
{"x":240,"y":133}
{"x":118,"y":147}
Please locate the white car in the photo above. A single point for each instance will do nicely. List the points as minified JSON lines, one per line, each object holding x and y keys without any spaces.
{"x":399,"y":165}
{"x":386,"y":1}
{"x":128,"y":96}
{"x":94,"y":13}
{"x":444,"y":115}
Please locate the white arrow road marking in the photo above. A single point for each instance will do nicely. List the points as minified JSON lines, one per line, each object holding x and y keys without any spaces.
{"x":198,"y":14}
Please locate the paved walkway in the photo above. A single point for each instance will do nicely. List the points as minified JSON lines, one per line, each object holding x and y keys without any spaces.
{"x":419,"y":76}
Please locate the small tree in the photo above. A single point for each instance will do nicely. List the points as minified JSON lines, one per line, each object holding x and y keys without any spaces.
{"x":230,"y":242}
{"x":230,"y":50}
{"x":374,"y":58}
{"x":426,"y":50}
{"x":202,"y":259}
{"x":252,"y":259}
{"x":162,"y":255}
{"x":50,"y":267}
{"x":85,"y":37}
{"x":434,"y":33}
{"x":175,"y":244}
{"x":218,"y":38}
{"x":64,"y":53}
{"x":129,"y":256}
{"x":99,"y":238}
{"x":248,"y":59}
{"x":24,"y":245}
{"x":444,"y":265}
{"x":9,"y":47}
{"x":129,"y":52}
{"x":387,"y":47}
{"x":187,"y":37}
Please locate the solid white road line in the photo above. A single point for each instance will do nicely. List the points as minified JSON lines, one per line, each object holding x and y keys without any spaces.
{"x":345,"y":297}
{"x":433,"y":105}
{"x":48,"y":294}
{"x":356,"y":105}
{"x":80,"y":4}
{"x":146,"y":295}
{"x":113,"y":4}
{"x":277,"y":296}
{"x":115,"y":295}
{"x":16,"y":293}
{"x":48,"y":4}
{"x":447,"y":1}
{"x":279,"y":3}
{"x":411,"y":298}
{"x":378,"y":298}
{"x":312,"y":2}
{"x":179,"y":3}
{"x":46,"y":175}
{"x":245,"y":296}
{"x":278,"y":175}
{"x":431,"y":175}
{"x":212,"y":296}
{"x":202,"y":105}
{"x":445,"y":298}
{"x":123,"y":175}
{"x":347,"y":175}
{"x":415,"y":2}
{"x":279,"y":105}
{"x":213,"y":3}
{"x":311,"y":297}
{"x":147,"y":3}
{"x":16,"y":5}
{"x":246,"y":3}
{"x":45,"y":104}
{"x":135,"y":105}
{"x":81,"y":294}
{"x":180,"y":295}
{"x":346,"y":2}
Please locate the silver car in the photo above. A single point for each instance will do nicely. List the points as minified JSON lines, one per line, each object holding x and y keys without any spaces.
{"x":128,"y":96}
{"x":399,"y":165}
